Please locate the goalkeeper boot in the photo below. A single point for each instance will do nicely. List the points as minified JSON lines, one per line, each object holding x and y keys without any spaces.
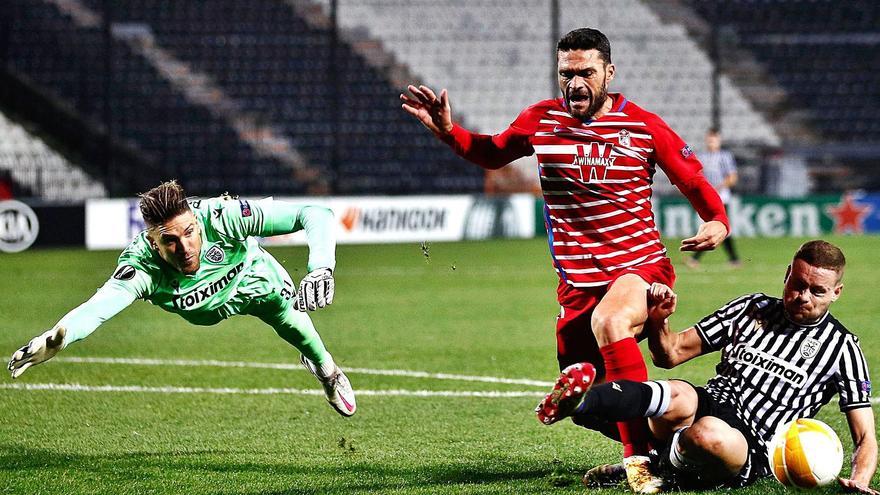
{"x":605,"y":476}
{"x":337,"y":388}
{"x":641,"y":476}
{"x":569,"y":390}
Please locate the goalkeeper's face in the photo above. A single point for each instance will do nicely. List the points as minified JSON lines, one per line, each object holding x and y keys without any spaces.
{"x":179,"y":242}
{"x":583,"y":79}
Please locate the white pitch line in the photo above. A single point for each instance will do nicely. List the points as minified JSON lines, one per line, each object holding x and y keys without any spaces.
{"x":298,"y":367}
{"x":76,"y":387}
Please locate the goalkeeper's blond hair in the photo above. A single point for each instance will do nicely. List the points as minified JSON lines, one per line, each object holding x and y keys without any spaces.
{"x":162,"y":203}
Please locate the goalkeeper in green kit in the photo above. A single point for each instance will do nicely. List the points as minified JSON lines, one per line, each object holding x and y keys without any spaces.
{"x":201,"y":260}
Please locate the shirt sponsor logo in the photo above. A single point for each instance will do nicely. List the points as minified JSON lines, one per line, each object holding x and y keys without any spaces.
{"x":770,"y":364}
{"x":215,"y":254}
{"x":245,"y":208}
{"x":124,"y":272}
{"x":593,"y":160}
{"x":191,"y":299}
{"x":810,"y":347}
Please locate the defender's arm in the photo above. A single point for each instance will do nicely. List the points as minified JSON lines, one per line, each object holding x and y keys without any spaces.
{"x":668,"y":348}
{"x":864,"y":460}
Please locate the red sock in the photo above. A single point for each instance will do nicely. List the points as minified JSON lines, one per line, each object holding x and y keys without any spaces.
{"x":624,"y":361}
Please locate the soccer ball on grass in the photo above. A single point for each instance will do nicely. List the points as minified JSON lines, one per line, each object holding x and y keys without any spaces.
{"x":805,"y":453}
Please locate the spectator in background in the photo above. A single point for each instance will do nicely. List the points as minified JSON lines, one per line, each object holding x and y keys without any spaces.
{"x":6,"y":185}
{"x":719,"y":167}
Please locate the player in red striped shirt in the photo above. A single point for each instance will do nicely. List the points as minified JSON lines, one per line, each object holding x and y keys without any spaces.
{"x":597,"y":153}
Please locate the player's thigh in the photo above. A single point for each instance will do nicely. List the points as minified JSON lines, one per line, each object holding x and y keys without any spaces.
{"x":718,"y":443}
{"x":575,"y":342}
{"x":682,"y":411}
{"x":622,"y":311}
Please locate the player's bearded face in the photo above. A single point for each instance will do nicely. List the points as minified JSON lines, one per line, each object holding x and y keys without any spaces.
{"x":809,"y":290}
{"x":583,"y":79}
{"x":179,"y":242}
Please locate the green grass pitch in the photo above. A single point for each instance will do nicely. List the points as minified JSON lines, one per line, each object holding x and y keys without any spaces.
{"x":474,"y":309}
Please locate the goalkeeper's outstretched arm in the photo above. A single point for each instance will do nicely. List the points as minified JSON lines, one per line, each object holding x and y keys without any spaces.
{"x":76,"y":325}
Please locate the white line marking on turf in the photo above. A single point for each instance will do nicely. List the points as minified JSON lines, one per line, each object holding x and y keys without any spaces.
{"x":298,"y":367}
{"x":76,"y":387}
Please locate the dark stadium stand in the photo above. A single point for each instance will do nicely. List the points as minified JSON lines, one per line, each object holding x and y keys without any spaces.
{"x":822,"y":52}
{"x":269,"y":61}
{"x":141,"y":107}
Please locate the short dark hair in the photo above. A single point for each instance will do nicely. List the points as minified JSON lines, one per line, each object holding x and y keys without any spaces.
{"x":586,"y":39}
{"x":162,"y":203}
{"x":822,"y":254}
{"x":714,"y":131}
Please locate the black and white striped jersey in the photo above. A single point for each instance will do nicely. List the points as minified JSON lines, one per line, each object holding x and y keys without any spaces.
{"x":774,"y":371}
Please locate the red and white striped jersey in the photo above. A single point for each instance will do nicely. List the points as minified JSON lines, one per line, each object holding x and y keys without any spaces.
{"x":596,"y":177}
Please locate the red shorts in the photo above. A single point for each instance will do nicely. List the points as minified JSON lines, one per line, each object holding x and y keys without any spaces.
{"x":575,"y":342}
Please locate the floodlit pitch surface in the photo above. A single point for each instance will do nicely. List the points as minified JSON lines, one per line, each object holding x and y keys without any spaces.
{"x":449,"y":354}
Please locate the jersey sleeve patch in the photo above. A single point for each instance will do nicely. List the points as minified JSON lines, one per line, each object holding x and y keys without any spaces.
{"x":686,"y":152}
{"x":245,"y":208}
{"x":124,"y":272}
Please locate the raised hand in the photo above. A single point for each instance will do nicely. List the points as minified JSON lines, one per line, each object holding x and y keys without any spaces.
{"x":708,"y":237}
{"x":432,"y":111}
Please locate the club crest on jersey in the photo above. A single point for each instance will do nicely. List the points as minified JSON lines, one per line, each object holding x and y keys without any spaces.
{"x":124,"y":272}
{"x":810,"y":347}
{"x":623,"y":138}
{"x":593,"y":160}
{"x":215,"y":254}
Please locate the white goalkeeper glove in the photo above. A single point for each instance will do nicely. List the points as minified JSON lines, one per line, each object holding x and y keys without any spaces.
{"x":39,"y":349}
{"x":316,"y":290}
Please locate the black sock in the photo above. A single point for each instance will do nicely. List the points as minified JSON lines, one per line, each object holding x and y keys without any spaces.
{"x":624,"y":399}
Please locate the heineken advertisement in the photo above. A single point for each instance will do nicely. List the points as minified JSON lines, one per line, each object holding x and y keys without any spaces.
{"x":758,"y":216}
{"x":849,"y":213}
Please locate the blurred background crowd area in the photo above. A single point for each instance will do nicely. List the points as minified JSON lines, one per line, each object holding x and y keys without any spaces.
{"x":103,"y":98}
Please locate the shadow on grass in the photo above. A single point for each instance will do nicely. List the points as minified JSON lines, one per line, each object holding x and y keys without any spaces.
{"x":333,"y":476}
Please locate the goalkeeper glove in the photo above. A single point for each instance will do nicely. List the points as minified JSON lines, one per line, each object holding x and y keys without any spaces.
{"x":316,"y":290}
{"x":39,"y":349}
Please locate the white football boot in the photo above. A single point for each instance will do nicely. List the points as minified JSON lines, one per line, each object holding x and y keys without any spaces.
{"x":640,"y":477}
{"x":337,"y":388}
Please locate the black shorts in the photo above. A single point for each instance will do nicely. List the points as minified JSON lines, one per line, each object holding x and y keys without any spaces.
{"x":756,"y":466}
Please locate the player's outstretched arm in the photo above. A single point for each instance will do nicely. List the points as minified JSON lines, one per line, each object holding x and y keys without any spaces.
{"x":489,"y":152}
{"x":864,"y":461}
{"x":668,"y":348}
{"x":434,"y":112}
{"x":76,"y":325}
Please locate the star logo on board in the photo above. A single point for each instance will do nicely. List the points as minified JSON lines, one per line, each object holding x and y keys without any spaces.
{"x":848,"y":215}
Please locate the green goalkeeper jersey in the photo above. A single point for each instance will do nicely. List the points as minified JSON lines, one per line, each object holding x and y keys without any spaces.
{"x":234,"y":270}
